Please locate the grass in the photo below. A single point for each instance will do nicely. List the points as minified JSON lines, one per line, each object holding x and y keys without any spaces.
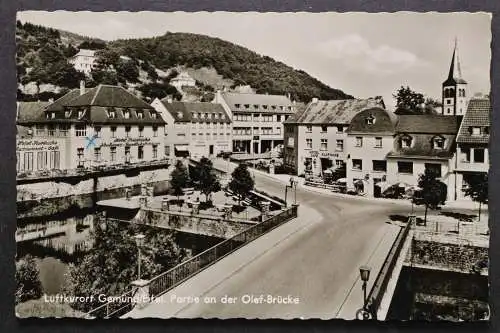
{"x":40,"y":308}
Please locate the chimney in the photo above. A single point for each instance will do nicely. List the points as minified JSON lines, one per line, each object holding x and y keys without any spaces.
{"x":314,"y":100}
{"x":82,"y":87}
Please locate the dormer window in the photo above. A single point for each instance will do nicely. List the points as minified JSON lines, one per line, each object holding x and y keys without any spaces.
{"x":52,"y":115}
{"x":247,"y":106}
{"x":475,"y":131}
{"x":126,"y":114}
{"x":438,"y":142}
{"x":195,"y":115}
{"x":111,"y":113}
{"x":222,"y":116}
{"x":154,"y":115}
{"x":216,"y":115}
{"x":140,"y":115}
{"x":237,"y":106}
{"x":289,"y":108}
{"x":406,"y":141}
{"x":370,"y":120}
{"x":179,"y":115}
{"x":67,"y":113}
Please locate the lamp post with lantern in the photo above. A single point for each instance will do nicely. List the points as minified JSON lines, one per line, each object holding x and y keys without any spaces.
{"x":139,"y":241}
{"x":364,"y":313}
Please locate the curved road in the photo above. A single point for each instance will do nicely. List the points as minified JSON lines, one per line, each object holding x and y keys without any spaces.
{"x":314,"y":258}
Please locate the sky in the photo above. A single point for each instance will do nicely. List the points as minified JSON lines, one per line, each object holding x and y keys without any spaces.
{"x":363,"y":54}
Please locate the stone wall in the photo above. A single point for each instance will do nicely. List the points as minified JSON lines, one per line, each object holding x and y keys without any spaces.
{"x":455,"y":257}
{"x":207,"y":225}
{"x":49,"y":198}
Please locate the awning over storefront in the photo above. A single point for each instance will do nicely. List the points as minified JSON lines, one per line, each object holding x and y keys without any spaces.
{"x":181,"y":150}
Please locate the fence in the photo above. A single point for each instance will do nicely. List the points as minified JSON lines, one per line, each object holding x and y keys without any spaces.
{"x":332,"y":187}
{"x":178,"y":274}
{"x":384,"y":275}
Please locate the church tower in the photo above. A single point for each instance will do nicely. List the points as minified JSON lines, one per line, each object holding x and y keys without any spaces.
{"x":454,"y":88}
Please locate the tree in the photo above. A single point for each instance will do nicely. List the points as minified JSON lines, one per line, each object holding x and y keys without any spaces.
{"x":408,"y":101}
{"x":179,"y":179}
{"x":430,"y":106}
{"x":206,"y":177}
{"x":477,"y":189}
{"x":111,"y":264}
{"x":242,"y":182}
{"x":28,"y":281}
{"x":431,"y":193}
{"x":127,"y":71}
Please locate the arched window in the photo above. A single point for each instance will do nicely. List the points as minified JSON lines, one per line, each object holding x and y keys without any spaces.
{"x":452,"y":92}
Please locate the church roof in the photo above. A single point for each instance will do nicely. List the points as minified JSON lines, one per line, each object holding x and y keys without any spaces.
{"x":455,"y":72}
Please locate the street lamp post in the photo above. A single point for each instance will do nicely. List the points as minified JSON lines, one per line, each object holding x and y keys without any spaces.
{"x":139,"y":241}
{"x":364,"y":272}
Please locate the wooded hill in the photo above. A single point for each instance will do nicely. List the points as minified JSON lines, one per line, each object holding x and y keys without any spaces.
{"x":146,"y":65}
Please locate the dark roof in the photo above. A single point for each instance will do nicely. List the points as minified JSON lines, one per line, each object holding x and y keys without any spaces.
{"x":384,"y":122}
{"x":333,"y":111}
{"x":58,"y":104}
{"x":237,"y":102}
{"x":184,"y":111}
{"x":477,"y":115}
{"x":96,"y":103}
{"x":422,"y":147}
{"x":455,"y":72}
{"x":27,"y":112}
{"x":109,"y":96}
{"x":432,"y":124}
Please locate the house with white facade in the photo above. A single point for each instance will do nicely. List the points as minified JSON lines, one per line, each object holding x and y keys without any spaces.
{"x":257,"y":120}
{"x":194,"y":129}
{"x":84,"y":61}
{"x":370,"y":138}
{"x":472,"y":144}
{"x":423,"y":142}
{"x":315,"y":137}
{"x":182,"y":80}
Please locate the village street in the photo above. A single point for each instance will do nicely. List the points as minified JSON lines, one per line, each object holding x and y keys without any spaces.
{"x":314,"y":258}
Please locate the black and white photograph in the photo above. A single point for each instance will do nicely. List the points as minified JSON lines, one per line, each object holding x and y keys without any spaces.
{"x":253,"y":165}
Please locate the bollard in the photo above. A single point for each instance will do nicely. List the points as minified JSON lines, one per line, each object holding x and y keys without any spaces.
{"x":144,"y":189}
{"x":143,"y":202}
{"x":264,"y":205}
{"x":196,"y":207}
{"x":165,"y":204}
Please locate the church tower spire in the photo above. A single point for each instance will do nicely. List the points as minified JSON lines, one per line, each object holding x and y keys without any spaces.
{"x":454,"y":88}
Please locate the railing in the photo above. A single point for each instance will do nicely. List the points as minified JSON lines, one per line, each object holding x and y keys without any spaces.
{"x":178,"y":274}
{"x":115,"y":307}
{"x":380,"y":285}
{"x":165,"y":281}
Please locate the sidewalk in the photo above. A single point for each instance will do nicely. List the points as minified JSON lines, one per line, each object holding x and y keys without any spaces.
{"x":203,"y":282}
{"x":285,"y":178}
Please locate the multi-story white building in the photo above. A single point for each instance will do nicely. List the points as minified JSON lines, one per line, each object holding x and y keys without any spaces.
{"x":257,"y":119}
{"x":370,"y":137}
{"x":84,"y":61}
{"x":105,"y":125}
{"x":423,"y":142}
{"x":472,"y":144}
{"x":315,"y":137}
{"x":196,"y":129}
{"x":183,"y":80}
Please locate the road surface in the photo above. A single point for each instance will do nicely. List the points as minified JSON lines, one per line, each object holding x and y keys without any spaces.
{"x":313,"y":259}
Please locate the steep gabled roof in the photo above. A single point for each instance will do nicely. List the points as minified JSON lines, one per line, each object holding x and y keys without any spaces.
{"x":109,"y":96}
{"x":432,"y":124}
{"x":455,"y":72}
{"x":333,"y":111}
{"x":477,"y":115}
